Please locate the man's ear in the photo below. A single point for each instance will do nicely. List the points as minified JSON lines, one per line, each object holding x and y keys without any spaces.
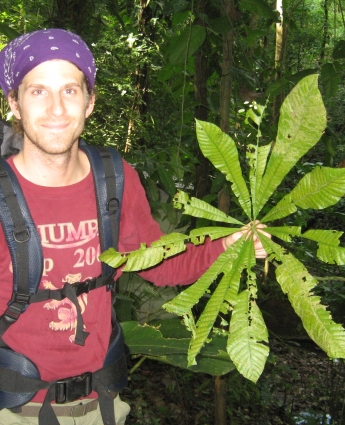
{"x":14,"y":106}
{"x":90,"y":106}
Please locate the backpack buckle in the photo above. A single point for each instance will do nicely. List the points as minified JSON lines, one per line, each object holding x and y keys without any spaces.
{"x":73,"y":388}
{"x":84,"y":287}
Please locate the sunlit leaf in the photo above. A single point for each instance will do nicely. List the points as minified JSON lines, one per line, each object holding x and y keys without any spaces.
{"x":247,"y":345}
{"x":221,"y":150}
{"x":302,"y":120}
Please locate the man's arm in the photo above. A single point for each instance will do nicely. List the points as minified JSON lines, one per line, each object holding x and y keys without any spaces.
{"x":137,"y":226}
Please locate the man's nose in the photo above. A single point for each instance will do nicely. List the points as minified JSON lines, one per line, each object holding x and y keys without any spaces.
{"x":56,"y":104}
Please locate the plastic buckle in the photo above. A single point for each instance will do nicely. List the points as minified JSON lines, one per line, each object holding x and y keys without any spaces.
{"x":73,"y":388}
{"x":111,"y":282}
{"x":16,"y":307}
{"x":82,"y":287}
{"x":113,"y":205}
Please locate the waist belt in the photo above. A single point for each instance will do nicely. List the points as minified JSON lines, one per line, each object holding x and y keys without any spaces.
{"x":76,"y":410}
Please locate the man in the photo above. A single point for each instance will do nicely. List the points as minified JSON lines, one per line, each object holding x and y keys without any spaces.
{"x":49,"y":77}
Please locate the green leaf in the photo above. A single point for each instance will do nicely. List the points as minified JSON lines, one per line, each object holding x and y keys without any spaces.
{"x":9,"y":32}
{"x":242,"y":256}
{"x":145,"y":257}
{"x":167,"y":180}
{"x":339,"y":50}
{"x":148,"y":340}
{"x":186,"y":44}
{"x":302,"y":121}
{"x":168,"y":340}
{"x":257,"y":161}
{"x":197,"y":208}
{"x":182,"y":304}
{"x":151,"y":190}
{"x":221,"y":150}
{"x":248,"y":335}
{"x":177,"y":164}
{"x":261,"y":8}
{"x":331,"y":74}
{"x":207,"y":318}
{"x":220,"y":25}
{"x":278,"y":87}
{"x":113,"y":258}
{"x":319,"y":189}
{"x":198,"y":236}
{"x":297,"y":283}
{"x":284,"y":208}
{"x":284,"y":232}
{"x":328,"y":245}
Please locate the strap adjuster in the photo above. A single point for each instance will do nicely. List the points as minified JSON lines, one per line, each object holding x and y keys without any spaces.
{"x":20,"y":298}
{"x":83,"y":287}
{"x":73,"y":388}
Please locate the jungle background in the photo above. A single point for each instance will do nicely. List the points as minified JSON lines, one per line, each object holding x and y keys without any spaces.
{"x":161,"y":64}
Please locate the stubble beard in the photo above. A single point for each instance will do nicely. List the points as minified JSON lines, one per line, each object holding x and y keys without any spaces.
{"x":49,"y":142}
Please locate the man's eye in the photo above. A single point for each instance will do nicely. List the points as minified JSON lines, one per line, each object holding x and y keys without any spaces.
{"x":38,"y":92}
{"x":70,"y":91}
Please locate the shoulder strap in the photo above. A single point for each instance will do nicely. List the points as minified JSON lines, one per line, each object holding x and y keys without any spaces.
{"x":107,"y":168}
{"x":23,"y":241}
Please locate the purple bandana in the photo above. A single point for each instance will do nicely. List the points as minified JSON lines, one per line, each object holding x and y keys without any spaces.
{"x":24,"y":53}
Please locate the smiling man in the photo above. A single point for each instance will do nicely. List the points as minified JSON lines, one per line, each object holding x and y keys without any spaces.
{"x":49,"y":79}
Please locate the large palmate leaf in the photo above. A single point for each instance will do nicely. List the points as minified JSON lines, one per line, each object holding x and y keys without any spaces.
{"x":302,"y":120}
{"x":230,"y":285}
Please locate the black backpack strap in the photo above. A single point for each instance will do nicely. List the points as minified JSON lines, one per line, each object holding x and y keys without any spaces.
{"x":107,"y":168}
{"x":11,"y":142}
{"x":24,"y":245}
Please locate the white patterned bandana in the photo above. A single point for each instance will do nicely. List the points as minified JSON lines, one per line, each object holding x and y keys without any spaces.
{"x":24,"y":53}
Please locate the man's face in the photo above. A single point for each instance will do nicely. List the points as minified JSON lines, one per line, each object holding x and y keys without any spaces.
{"x":53,"y":103}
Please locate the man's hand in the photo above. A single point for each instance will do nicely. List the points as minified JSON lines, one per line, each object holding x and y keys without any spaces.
{"x":247,"y":230}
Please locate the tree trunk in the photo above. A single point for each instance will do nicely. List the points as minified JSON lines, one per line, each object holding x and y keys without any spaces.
{"x":220,"y":390}
{"x":228,"y":10}
{"x":220,"y":382}
{"x":280,"y":54}
{"x":141,"y":98}
{"x":325,"y":32}
{"x":226,"y":81}
{"x":72,"y":14}
{"x":202,"y":180}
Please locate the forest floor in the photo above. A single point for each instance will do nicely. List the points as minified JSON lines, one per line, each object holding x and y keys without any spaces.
{"x":300,"y":385}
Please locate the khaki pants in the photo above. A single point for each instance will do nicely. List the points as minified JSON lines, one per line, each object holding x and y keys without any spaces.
{"x":91,"y":418}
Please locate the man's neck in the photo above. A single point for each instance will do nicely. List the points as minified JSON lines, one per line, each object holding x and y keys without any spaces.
{"x":52,"y":170}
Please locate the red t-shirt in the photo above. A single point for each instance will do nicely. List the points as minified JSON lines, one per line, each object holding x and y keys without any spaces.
{"x":66,"y":219}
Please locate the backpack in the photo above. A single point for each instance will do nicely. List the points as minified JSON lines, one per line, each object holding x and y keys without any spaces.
{"x":20,"y":378}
